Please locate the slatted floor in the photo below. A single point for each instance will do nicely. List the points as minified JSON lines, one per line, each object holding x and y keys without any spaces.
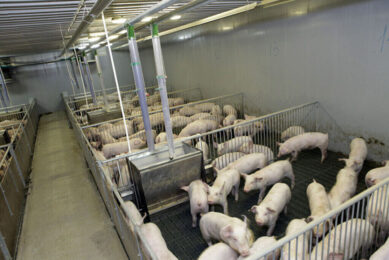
{"x":187,"y":243}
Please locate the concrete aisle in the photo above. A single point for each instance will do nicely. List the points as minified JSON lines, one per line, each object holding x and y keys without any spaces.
{"x":65,"y":217}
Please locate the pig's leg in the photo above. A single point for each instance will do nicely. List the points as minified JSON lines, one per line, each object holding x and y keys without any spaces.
{"x":260,"y":197}
{"x":194,"y":219}
{"x":286,"y":210}
{"x":206,"y":236}
{"x":323,"y":154}
{"x":225,"y":206}
{"x":236,"y":191}
{"x":290,"y":175}
{"x":294,"y":156}
{"x":271,"y":229}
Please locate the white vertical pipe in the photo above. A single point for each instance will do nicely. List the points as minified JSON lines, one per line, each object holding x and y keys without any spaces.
{"x":5,"y":87}
{"x":82,"y":79}
{"x":140,"y":85}
{"x":116,"y":83}
{"x":100,"y":73}
{"x":161,"y":78}
{"x":89,"y":77}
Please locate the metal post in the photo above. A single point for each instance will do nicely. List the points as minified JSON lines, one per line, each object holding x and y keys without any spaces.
{"x":90,"y":83}
{"x":81,"y":76}
{"x":5,"y":89}
{"x":161,"y":78}
{"x":4,"y":248}
{"x":140,"y":85}
{"x":100,"y":73}
{"x":14,"y":157}
{"x":3,"y":101}
{"x":74,"y":74}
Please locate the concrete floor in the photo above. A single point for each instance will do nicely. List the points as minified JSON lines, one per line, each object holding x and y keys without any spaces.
{"x":65,"y":217}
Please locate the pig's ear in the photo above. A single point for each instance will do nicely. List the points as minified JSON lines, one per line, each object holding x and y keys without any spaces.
{"x":335,"y":256}
{"x":206,"y":187}
{"x":226,"y":231}
{"x":258,"y":178}
{"x":244,"y":175}
{"x":253,"y":209}
{"x":279,"y":144}
{"x":270,"y":210}
{"x":309,"y":219}
{"x":313,"y":180}
{"x":185,"y":188}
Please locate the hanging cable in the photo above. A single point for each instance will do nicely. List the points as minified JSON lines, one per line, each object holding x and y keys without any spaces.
{"x":116,"y":82}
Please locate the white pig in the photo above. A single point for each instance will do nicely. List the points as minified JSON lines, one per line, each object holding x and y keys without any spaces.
{"x":203,"y":146}
{"x":198,"y":127}
{"x":382,"y":253}
{"x":205,"y":107}
{"x":216,"y":110}
{"x":351,"y":235}
{"x":180,"y":121}
{"x":118,"y":130}
{"x":104,"y":127}
{"x":358,"y":153}
{"x":377,"y":209}
{"x":155,"y":240}
{"x":376,"y":175}
{"x":266,"y":213}
{"x":219,"y":251}
{"x":304,"y":141}
{"x":344,"y":188}
{"x":230,"y":110}
{"x":162,"y":137}
{"x":249,"y":128}
{"x":299,"y":245}
{"x":226,"y":181}
{"x":110,"y":150}
{"x":222,"y":161}
{"x":262,"y":244}
{"x":198,"y":199}
{"x":188,"y":111}
{"x":106,"y":138}
{"x":134,"y":214}
{"x":319,"y":205}
{"x":249,"y":163}
{"x":200,"y":116}
{"x":292,"y":131}
{"x":155,"y":120}
{"x":267,"y":176}
{"x":176,"y":101}
{"x":229,"y":120}
{"x":232,"y":231}
{"x":257,"y":148}
{"x":232,"y":145}
{"x":141,"y":135}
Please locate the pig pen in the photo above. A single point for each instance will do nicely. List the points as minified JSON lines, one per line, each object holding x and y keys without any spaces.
{"x":20,"y":125}
{"x":175,"y":223}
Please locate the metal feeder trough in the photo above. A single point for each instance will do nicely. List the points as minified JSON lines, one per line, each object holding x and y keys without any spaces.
{"x":157,"y":178}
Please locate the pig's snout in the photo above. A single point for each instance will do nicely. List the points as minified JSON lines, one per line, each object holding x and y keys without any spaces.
{"x":370,"y":182}
{"x":244,"y":253}
{"x":259,"y":222}
{"x":246,"y":190}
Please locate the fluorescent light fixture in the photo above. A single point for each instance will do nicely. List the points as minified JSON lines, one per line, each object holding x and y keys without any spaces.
{"x":96,"y":34}
{"x":94,"y":39}
{"x":298,"y":12}
{"x":113,"y":37}
{"x":147,"y":19}
{"x":181,"y":38}
{"x":118,"y":21}
{"x":96,"y":46}
{"x":175,"y":17}
{"x":226,"y":28}
{"x":82,"y":47}
{"x":122,"y":32}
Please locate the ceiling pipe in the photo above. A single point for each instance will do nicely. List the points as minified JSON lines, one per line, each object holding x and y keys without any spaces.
{"x":96,"y":10}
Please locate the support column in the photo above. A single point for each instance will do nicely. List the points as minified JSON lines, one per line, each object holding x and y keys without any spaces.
{"x":100,"y":73}
{"x":89,"y":78}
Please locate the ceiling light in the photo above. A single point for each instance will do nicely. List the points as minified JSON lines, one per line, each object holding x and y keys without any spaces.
{"x":226,"y":28}
{"x":96,"y":34}
{"x":118,"y":21}
{"x":82,"y":47}
{"x":147,"y":19}
{"x":122,"y":32}
{"x":95,"y":46}
{"x":113,"y":37}
{"x":175,"y":17}
{"x":94,"y":39}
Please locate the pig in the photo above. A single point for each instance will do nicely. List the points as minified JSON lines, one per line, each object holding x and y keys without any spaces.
{"x":382,"y":253}
{"x":232,"y":145}
{"x":222,"y":161}
{"x":104,"y":127}
{"x":230,"y":110}
{"x":358,"y":153}
{"x":176,"y":101}
{"x":267,"y":176}
{"x":198,"y":199}
{"x":118,"y":130}
{"x":292,"y":131}
{"x":266,"y":213}
{"x":162,"y":137}
{"x":297,"y":248}
{"x":155,"y":120}
{"x":205,"y":107}
{"x":106,"y":138}
{"x":92,"y":133}
{"x":180,"y":121}
{"x":376,"y":175}
{"x":319,"y":205}
{"x":200,"y":116}
{"x":344,"y":188}
{"x":134,"y":215}
{"x":155,"y":241}
{"x":351,"y":235}
{"x":198,"y":127}
{"x":110,"y":150}
{"x":219,"y":251}
{"x":232,"y":231}
{"x":262,"y":244}
{"x":249,"y":163}
{"x":203,"y":146}
{"x":216,"y":110}
{"x":248,"y":129}
{"x":141,"y":135}
{"x":304,"y":141}
{"x":377,"y":209}
{"x":225,"y":182}
{"x":189,"y":111}
{"x":257,"y":148}
{"x":229,"y":120}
